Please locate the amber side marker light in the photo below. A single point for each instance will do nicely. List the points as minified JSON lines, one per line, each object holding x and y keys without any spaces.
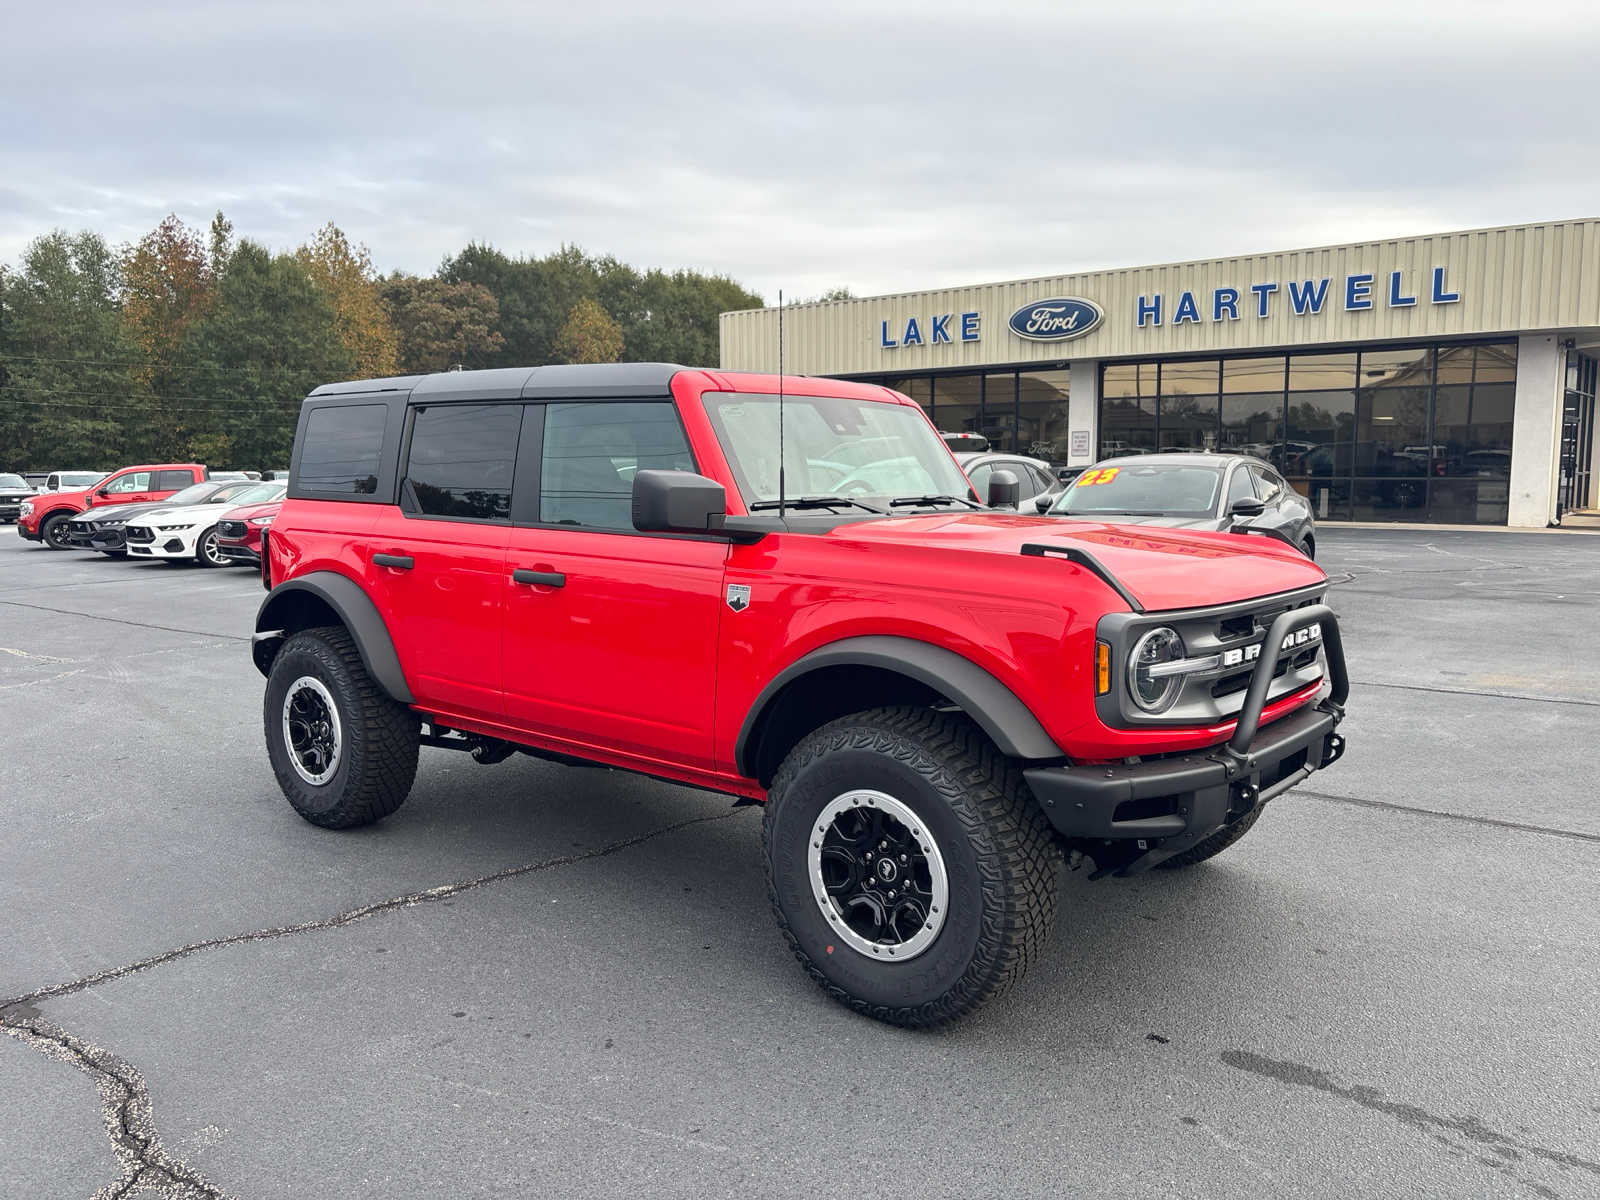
{"x":1102,"y":668}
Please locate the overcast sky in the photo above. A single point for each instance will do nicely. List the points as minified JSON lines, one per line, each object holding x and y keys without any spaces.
{"x":879,"y":146}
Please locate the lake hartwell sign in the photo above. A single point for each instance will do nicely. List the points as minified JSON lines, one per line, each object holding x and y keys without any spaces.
{"x":1063,"y":318}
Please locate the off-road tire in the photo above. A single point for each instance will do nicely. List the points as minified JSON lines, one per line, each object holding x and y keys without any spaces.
{"x":202,"y":556}
{"x":1002,"y":863}
{"x":1214,"y":845}
{"x":53,"y":532}
{"x":379,"y":736}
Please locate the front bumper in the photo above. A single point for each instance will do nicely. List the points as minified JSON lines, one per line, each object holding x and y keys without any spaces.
{"x":239,"y":553}
{"x":178,"y":543}
{"x":1161,"y":807}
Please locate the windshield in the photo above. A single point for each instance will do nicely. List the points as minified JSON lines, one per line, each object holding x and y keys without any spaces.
{"x":1154,"y":490}
{"x":13,"y":481}
{"x":78,"y":479}
{"x":259,"y":493}
{"x":192,"y":494}
{"x":857,"y":449}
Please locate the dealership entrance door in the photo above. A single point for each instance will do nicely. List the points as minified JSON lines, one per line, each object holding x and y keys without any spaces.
{"x":1576,"y":487}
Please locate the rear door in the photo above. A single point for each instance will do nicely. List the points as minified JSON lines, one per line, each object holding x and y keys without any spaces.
{"x":437,"y":559}
{"x":610,"y":634}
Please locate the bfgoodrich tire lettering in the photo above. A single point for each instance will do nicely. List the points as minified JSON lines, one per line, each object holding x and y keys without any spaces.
{"x":378,"y":737}
{"x":995,"y":846}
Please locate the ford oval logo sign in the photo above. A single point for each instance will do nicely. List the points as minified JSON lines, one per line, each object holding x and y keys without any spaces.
{"x":1056,"y":320}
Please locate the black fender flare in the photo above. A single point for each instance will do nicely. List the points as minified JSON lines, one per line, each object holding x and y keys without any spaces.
{"x":995,"y":707}
{"x":356,"y":612}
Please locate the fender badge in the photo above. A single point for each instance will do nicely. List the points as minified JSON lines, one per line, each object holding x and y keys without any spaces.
{"x":738,"y":596}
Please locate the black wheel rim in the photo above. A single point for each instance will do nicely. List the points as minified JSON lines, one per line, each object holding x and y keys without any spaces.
{"x":877,"y":875}
{"x":311,"y":730}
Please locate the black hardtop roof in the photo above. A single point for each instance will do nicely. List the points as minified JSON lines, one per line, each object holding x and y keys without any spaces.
{"x":580,"y":380}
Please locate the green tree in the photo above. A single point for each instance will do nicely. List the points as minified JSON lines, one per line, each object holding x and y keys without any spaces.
{"x":440,"y":325}
{"x":350,"y":285}
{"x":268,"y":339}
{"x":589,"y":335}
{"x":67,"y":377}
{"x":167,"y":283}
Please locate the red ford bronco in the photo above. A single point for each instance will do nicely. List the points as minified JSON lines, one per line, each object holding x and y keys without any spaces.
{"x":648,"y":567}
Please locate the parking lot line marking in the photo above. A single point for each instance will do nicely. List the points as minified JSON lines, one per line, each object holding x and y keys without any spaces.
{"x":68,"y":612}
{"x":1470,"y":818}
{"x":1450,"y":691}
{"x":35,"y":657}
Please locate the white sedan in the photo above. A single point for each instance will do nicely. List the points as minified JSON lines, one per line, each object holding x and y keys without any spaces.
{"x":190,"y":532}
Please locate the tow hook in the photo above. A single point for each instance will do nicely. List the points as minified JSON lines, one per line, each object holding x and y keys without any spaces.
{"x":1333,"y":750}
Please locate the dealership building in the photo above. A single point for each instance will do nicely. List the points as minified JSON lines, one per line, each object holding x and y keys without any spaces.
{"x":1447,"y":378}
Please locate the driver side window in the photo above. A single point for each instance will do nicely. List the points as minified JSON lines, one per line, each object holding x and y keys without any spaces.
{"x":1268,"y":485}
{"x":980,"y":477}
{"x":139,"y":481}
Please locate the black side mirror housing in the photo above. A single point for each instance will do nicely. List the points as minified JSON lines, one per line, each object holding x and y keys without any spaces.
{"x":1004,"y":490}
{"x":677,"y":502}
{"x":1247,"y":506}
{"x":1042,"y":503}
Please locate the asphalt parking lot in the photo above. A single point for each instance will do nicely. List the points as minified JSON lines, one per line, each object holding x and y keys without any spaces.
{"x":547,"y":981}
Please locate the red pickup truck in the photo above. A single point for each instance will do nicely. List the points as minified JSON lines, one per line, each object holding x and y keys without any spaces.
{"x":795,"y":599}
{"x":44,"y":517}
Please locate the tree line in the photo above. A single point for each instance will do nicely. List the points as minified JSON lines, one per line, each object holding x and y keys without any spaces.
{"x":192,"y":345}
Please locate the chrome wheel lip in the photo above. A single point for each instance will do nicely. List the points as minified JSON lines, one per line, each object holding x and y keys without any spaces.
{"x":307,"y":683}
{"x":939,"y":904}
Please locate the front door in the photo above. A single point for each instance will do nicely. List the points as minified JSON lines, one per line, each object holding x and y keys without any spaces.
{"x":133,"y":487}
{"x":610,"y":635}
{"x":437,"y":562}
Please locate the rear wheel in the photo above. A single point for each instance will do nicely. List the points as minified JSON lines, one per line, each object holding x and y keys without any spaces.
{"x":908,"y":864}
{"x":54,"y":532}
{"x":345,"y":754}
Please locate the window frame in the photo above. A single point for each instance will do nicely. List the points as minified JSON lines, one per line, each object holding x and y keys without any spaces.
{"x":110,"y":490}
{"x":403,"y":468}
{"x":396,"y":415}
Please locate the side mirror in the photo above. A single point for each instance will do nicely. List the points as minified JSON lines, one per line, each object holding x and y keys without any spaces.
{"x":1044,"y":502}
{"x":1247,"y":506}
{"x":677,"y":502}
{"x":105,"y":491}
{"x":1004,"y":490}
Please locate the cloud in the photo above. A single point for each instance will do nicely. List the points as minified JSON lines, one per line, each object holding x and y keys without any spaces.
{"x":886,"y":147}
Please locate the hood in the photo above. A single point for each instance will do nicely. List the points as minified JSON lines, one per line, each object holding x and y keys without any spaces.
{"x":1162,"y":568}
{"x":268,"y":509}
{"x":115,"y":511}
{"x":189,"y":514}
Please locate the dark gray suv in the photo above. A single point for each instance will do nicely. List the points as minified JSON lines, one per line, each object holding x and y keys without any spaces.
{"x":1221,"y":492}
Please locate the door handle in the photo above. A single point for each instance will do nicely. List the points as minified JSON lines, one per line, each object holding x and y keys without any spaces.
{"x":400,"y":562}
{"x":543,"y":578}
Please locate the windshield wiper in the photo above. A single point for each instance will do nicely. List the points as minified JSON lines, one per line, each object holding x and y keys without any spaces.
{"x":820,"y":502}
{"x":900,"y":501}
{"x":1118,"y":512}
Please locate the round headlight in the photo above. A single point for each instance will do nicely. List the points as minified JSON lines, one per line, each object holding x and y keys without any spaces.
{"x":1153,"y":691}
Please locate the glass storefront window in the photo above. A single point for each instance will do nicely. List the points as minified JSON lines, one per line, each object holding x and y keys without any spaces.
{"x":958,"y":403}
{"x":1321,"y":372}
{"x":1120,"y":381}
{"x":1253,"y":424}
{"x":1411,"y":367}
{"x":1000,"y":410}
{"x":1252,"y":375}
{"x":1198,"y":378}
{"x":1043,"y":414}
{"x":1188,"y":423}
{"x":1127,"y":426}
{"x":1318,"y":433}
{"x":1392,"y":432}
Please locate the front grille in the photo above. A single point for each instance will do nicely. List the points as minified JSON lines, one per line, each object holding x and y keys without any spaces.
{"x":140,"y":533}
{"x":230,"y":529}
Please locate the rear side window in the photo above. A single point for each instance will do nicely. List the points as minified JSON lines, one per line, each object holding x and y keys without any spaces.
{"x":461,"y":461}
{"x":1268,"y":484}
{"x":591,"y":452}
{"x":171,"y":481}
{"x":342,"y":448}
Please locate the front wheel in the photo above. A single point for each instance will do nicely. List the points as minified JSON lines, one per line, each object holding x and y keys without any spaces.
{"x":345,"y":754}
{"x":908,"y":865}
{"x":54,"y":533}
{"x":206,"y":551}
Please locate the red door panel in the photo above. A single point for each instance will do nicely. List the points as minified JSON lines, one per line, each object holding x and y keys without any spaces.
{"x":622,"y":653}
{"x":444,"y":611}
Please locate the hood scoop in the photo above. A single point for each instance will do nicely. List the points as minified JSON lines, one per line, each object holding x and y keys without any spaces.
{"x":1088,"y":562}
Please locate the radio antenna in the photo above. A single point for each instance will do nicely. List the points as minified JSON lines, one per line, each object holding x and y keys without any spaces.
{"x":780,"y":404}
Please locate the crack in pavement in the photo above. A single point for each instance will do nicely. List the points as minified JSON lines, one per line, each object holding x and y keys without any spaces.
{"x":1508,"y":1149}
{"x":1576,"y":835}
{"x":126,"y":1103}
{"x":1450,"y":691}
{"x":125,"y":1108}
{"x":71,"y":612}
